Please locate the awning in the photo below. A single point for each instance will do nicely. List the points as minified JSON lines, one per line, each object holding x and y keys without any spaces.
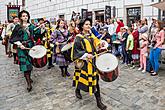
{"x":160,"y":5}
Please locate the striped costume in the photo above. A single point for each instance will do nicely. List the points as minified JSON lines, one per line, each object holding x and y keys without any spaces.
{"x":87,"y":77}
{"x":47,"y":43}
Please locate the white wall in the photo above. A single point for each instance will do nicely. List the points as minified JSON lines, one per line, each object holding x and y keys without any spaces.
{"x":3,"y":8}
{"x":53,"y":8}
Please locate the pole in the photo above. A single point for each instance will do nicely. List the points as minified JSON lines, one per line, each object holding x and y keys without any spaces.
{"x":17,"y":2}
{"x":23,"y":4}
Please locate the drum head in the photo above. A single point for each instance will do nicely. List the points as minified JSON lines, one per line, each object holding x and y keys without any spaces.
{"x":37,"y":51}
{"x":67,"y":47}
{"x":106,"y":62}
{"x":105,"y":43}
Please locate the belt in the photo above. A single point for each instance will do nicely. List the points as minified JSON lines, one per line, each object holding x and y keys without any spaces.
{"x":27,"y":41}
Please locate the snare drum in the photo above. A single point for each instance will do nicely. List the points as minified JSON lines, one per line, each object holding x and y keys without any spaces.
{"x":107,"y":64}
{"x":39,"y":56}
{"x":66,"y":51}
{"x":104,"y":46}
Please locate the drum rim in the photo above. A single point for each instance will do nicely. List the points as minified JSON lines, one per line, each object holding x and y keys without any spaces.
{"x":106,"y":43}
{"x":41,"y":47}
{"x":70,"y":46}
{"x":104,"y":70}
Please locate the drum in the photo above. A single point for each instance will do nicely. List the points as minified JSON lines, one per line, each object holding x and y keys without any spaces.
{"x":66,"y":51}
{"x":39,"y":56}
{"x":104,"y":46}
{"x":107,"y":64}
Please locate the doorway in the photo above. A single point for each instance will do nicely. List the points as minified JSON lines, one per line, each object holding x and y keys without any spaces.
{"x":133,"y":14}
{"x":99,"y":15}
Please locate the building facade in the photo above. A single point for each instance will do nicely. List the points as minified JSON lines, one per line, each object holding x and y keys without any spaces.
{"x":125,"y":9}
{"x":3,"y":8}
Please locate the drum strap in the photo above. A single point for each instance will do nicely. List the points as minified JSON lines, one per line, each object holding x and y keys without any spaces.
{"x":65,"y":37}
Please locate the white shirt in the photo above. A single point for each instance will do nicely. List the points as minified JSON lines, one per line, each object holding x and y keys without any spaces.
{"x":111,"y":29}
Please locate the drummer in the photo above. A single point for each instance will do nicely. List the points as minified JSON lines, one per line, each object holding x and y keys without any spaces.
{"x":22,"y":36}
{"x":41,"y":31}
{"x":107,"y":37}
{"x":48,"y":45}
{"x":72,"y":31}
{"x":58,"y":37}
{"x":86,"y":78}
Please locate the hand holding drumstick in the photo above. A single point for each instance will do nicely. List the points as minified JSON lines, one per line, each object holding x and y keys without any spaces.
{"x":25,"y":48}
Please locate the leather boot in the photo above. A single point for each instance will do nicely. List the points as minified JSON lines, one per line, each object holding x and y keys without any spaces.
{"x":66,"y":71}
{"x":78,"y":94}
{"x":28,"y":80}
{"x":99,"y":102}
{"x":62,"y":72}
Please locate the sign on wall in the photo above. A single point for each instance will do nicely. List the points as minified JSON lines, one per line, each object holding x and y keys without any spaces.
{"x":107,"y":12}
{"x":84,"y":13}
{"x":12,"y":10}
{"x":114,"y":11}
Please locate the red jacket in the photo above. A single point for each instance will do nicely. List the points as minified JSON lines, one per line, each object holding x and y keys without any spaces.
{"x":120,"y":24}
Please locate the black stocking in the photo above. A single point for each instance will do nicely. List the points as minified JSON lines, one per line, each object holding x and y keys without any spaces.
{"x":27,"y":75}
{"x":62,"y":71}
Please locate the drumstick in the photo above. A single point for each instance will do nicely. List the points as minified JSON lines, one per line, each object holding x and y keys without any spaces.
{"x":65,"y":42}
{"x":38,"y":26}
{"x":101,"y":53}
{"x":29,"y":49}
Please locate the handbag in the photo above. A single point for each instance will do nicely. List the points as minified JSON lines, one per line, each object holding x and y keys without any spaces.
{"x":5,"y":41}
{"x":58,"y":49}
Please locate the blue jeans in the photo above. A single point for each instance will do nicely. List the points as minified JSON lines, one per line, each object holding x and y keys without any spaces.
{"x":125,"y":55}
{"x":154,"y":58}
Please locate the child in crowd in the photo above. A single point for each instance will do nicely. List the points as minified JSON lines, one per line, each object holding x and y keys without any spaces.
{"x":129,"y":45}
{"x":123,"y":41}
{"x":143,"y":52}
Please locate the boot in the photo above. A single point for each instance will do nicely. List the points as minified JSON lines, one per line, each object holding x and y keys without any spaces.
{"x":28,"y":80}
{"x":78,"y":94}
{"x":10,"y":54}
{"x":66,"y":72}
{"x":62,"y":72}
{"x":99,"y":102}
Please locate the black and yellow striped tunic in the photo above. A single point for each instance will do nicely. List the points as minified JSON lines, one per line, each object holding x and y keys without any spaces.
{"x":85,"y":78}
{"x":47,"y":43}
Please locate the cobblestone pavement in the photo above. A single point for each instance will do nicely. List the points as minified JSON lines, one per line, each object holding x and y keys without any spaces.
{"x":132,"y":90}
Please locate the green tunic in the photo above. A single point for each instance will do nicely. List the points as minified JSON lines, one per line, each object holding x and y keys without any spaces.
{"x":23,"y":56}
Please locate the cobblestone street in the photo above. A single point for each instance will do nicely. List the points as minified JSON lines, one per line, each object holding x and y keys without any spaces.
{"x":132,"y":90}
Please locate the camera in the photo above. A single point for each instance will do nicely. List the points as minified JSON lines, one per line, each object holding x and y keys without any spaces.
{"x":153,"y":43}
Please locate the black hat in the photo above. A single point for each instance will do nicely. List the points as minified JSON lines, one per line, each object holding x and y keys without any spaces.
{"x":82,"y":22}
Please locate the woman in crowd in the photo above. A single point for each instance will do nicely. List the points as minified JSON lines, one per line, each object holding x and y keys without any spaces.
{"x":135,"y":51}
{"x":58,"y":37}
{"x":86,"y":78}
{"x":155,"y":52}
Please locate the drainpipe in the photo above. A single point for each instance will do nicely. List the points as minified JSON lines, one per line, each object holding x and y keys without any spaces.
{"x":159,"y":13}
{"x":23,"y":4}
